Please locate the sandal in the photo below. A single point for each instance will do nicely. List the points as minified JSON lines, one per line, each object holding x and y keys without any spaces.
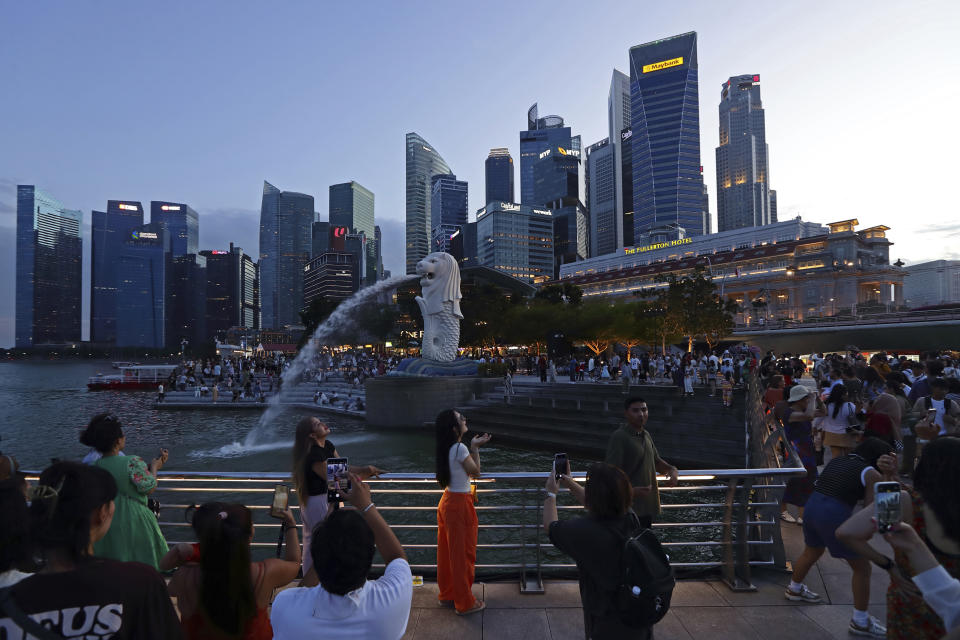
{"x":477,"y":606}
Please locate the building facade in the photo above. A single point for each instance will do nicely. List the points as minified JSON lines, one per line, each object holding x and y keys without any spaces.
{"x":286,"y":219}
{"x":664,"y":116}
{"x":448,"y":209}
{"x":144,"y":283}
{"x":498,"y":172}
{"x":542,"y":134}
{"x":618,"y":120}
{"x":557,"y":187}
{"x":48,"y":270}
{"x":423,"y":162}
{"x":110,"y":230}
{"x":932,"y":283}
{"x":601,"y":190}
{"x":791,"y":270}
{"x":188,"y":301}
{"x":463,"y":245}
{"x":352,"y":206}
{"x":331,"y":275}
{"x":517,"y":240}
{"x":232,"y":291}
{"x":743,"y":175}
{"x":183,"y":224}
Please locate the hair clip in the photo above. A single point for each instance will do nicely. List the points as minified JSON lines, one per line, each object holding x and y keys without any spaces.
{"x":222,"y":515}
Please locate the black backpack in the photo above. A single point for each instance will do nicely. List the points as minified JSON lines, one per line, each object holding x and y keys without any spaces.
{"x":646,"y":585}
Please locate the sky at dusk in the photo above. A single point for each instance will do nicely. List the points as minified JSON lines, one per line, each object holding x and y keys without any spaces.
{"x":200,"y":102}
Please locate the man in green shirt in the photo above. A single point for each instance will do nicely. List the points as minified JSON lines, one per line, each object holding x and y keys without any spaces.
{"x":632,"y":449}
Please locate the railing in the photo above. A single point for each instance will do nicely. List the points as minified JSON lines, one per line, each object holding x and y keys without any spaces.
{"x":859,"y":320}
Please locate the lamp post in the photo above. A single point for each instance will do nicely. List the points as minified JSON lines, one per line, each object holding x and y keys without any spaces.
{"x":722,"y":282}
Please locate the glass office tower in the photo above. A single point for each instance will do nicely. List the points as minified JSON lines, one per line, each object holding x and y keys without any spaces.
{"x":602,"y":198}
{"x":626,"y":187}
{"x":183,"y":224}
{"x":498,"y":171}
{"x":110,"y":229}
{"x":188,"y":302}
{"x":232,"y":295}
{"x":557,"y":187}
{"x":144,"y":281}
{"x":286,"y":240}
{"x":49,"y":269}
{"x":448,"y":209}
{"x":351,"y":205}
{"x":743,"y":189}
{"x":664,"y":115}
{"x":618,"y":119}
{"x":542,"y":134}
{"x":423,"y":162}
{"x":515,"y":239}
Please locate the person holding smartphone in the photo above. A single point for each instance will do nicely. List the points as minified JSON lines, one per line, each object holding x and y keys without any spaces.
{"x":457,"y":524}
{"x":311,"y":449}
{"x":931,"y":509}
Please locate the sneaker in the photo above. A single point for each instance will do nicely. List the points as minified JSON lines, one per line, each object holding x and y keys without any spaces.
{"x":873,"y":629}
{"x":786,"y":516}
{"x":804,"y":595}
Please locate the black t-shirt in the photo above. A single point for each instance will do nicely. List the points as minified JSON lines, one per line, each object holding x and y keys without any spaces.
{"x":597,"y":548}
{"x":100,"y":599}
{"x":317,"y":484}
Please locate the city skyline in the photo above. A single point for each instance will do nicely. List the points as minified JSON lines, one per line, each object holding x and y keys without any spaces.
{"x":215,"y":154}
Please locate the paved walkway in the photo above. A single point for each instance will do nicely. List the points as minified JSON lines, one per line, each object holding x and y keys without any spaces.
{"x":701,"y":610}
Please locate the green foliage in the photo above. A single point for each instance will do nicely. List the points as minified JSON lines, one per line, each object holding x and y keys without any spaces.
{"x":559,"y":293}
{"x":690,"y":307}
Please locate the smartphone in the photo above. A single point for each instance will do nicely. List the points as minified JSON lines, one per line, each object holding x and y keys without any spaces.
{"x":337,"y":469}
{"x":886,"y":501}
{"x":281,"y":498}
{"x":559,"y":465}
{"x":931,"y":414}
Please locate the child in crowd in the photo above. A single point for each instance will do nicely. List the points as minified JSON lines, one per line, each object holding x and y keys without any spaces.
{"x":726,"y":388}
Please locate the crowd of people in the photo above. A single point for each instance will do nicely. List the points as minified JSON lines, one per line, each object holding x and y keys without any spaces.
{"x":81,"y":550}
{"x":886,"y":419}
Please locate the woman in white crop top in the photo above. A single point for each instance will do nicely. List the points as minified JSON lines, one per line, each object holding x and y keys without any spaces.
{"x":457,"y":524}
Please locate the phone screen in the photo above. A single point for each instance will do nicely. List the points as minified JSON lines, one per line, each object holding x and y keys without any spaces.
{"x":281,"y":498}
{"x":337,"y":469}
{"x":886,"y":505}
{"x":559,"y":465}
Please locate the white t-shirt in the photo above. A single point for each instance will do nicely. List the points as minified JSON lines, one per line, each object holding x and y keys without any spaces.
{"x":377,"y":610}
{"x":840,"y":423}
{"x":939,"y":405}
{"x":459,"y":480}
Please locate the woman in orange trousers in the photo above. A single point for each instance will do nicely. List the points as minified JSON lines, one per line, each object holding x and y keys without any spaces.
{"x":456,"y":516}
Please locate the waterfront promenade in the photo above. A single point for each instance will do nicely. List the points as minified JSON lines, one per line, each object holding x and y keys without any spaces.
{"x":701,"y":610}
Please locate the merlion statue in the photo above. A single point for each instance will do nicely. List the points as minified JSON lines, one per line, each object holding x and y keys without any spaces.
{"x":440,"y":306}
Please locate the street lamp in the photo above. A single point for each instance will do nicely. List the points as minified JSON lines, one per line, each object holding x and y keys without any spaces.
{"x":722,"y":282}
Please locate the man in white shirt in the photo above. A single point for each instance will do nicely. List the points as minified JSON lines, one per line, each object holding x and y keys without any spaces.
{"x":345,"y":604}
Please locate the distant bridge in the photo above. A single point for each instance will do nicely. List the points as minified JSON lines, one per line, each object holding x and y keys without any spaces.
{"x":904,"y":331}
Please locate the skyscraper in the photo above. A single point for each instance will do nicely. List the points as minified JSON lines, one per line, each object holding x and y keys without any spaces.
{"x":448,"y":209}
{"x":144,"y":281}
{"x":602,"y":198}
{"x":187,"y":301}
{"x":285,"y":245}
{"x":618,"y":119}
{"x":743,"y":189}
{"x":351,"y":205}
{"x":499,"y":175}
{"x":110,"y":229}
{"x":773,"y":205}
{"x":378,"y":238}
{"x":516,"y":239}
{"x":664,"y":103}
{"x":557,"y":187}
{"x":423,"y":162}
{"x":49,"y":269}
{"x":183,"y":224}
{"x":233,"y":291}
{"x":541,"y":135}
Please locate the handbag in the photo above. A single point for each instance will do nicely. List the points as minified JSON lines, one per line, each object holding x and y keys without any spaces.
{"x":22,"y":620}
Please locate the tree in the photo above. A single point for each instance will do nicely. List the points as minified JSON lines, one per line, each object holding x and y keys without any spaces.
{"x":633,"y":324}
{"x":557,"y":293}
{"x":594,"y":324}
{"x":313,"y":316}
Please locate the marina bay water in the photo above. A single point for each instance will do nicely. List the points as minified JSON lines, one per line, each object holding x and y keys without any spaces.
{"x":45,"y":405}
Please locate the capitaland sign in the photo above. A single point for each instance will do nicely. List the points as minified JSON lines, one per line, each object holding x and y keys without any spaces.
{"x":506,"y":206}
{"x":665,"y":64}
{"x":170,"y":207}
{"x":659,"y":245}
{"x":127,"y":207}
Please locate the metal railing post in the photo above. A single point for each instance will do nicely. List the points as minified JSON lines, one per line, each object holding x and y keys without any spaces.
{"x":531,"y":584}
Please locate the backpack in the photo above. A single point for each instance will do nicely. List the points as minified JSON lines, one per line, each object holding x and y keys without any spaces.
{"x":642,"y":598}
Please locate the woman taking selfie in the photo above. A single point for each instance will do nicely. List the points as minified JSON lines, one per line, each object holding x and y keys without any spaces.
{"x":135,"y":534}
{"x":311,"y":449}
{"x":457,"y":524}
{"x":222,"y":594}
{"x":75,"y":593}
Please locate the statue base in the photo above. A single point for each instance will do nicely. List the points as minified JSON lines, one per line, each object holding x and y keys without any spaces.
{"x":421,"y":367}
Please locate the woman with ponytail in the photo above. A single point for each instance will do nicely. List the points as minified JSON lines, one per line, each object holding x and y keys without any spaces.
{"x":220,"y":593}
{"x":73,"y":592}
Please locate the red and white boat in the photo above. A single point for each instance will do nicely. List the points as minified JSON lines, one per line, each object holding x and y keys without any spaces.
{"x":138,"y":377}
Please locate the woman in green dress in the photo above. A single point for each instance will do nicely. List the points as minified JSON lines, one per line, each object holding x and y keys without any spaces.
{"x":134,"y":534}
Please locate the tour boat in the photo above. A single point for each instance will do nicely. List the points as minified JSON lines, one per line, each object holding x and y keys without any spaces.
{"x":119,"y":365}
{"x":132,"y":378}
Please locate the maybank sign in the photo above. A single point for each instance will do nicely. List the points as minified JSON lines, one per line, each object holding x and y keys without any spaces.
{"x":659,"y":245}
{"x":666,"y":64}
